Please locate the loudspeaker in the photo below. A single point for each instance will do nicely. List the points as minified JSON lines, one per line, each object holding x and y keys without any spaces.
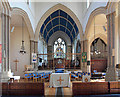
{"x":40,"y":59}
{"x":118,"y":66}
{"x":88,"y":62}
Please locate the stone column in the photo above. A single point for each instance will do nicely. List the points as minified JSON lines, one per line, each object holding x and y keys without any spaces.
{"x":69,"y":51}
{"x":111,"y":72}
{"x":85,"y":48}
{"x":81,"y":54}
{"x":0,"y":51}
{"x":5,"y":29}
{"x":88,"y":59}
{"x":49,"y":57}
{"x":33,"y":49}
{"x":36,"y":51}
{"x":119,"y":32}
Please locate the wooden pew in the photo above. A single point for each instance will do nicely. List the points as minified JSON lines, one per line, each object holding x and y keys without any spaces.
{"x":23,"y":88}
{"x":5,"y":87}
{"x":89,"y":88}
{"x":114,"y":87}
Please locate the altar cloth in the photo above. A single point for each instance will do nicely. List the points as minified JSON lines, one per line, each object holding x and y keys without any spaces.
{"x":59,"y":80}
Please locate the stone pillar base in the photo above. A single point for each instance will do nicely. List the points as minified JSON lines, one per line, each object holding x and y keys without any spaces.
{"x":88,"y":69}
{"x":110,"y":74}
{"x":84,"y":68}
{"x":35,"y":68}
{"x":5,"y":76}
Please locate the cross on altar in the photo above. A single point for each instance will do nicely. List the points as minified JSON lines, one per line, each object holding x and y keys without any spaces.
{"x":16,"y":61}
{"x":86,"y":80}
{"x":60,"y":80}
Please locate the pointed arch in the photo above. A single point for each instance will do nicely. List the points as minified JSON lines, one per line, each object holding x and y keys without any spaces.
{"x":53,"y":9}
{"x":18,"y":11}
{"x":101,"y":36}
{"x":101,"y":10}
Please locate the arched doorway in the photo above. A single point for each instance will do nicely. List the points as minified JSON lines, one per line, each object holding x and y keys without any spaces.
{"x":98,"y":55}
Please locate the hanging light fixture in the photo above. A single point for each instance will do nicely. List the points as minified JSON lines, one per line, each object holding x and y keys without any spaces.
{"x":22,"y":51}
{"x":95,"y":51}
{"x":94,"y":48}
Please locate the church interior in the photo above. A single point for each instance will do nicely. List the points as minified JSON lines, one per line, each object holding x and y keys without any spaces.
{"x":60,"y":48}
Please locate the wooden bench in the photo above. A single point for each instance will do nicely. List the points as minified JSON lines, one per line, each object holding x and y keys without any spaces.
{"x":115,"y":87}
{"x":23,"y":88}
{"x":89,"y":88}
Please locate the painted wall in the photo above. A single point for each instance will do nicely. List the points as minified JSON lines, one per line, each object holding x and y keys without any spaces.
{"x":15,"y":46}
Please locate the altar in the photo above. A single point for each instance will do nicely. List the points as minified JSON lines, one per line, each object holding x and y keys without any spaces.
{"x":59,"y":80}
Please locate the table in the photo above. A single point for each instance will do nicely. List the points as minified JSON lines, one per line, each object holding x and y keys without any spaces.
{"x":59,"y":80}
{"x":12,"y":78}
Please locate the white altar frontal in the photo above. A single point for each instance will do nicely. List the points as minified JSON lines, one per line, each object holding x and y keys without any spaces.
{"x":60,"y":80}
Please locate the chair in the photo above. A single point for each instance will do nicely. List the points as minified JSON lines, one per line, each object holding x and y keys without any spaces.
{"x":88,"y":73}
{"x":74,"y":76}
{"x":27,"y":76}
{"x":44,"y":76}
{"x":40,"y":75}
{"x":35,"y":77}
{"x":30,"y":75}
{"x":70,"y":75}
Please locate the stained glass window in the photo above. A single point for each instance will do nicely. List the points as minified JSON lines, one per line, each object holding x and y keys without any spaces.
{"x":59,"y":48}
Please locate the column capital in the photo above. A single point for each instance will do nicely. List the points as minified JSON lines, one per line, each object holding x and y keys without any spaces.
{"x":35,"y":41}
{"x":113,"y":13}
{"x":31,"y":40}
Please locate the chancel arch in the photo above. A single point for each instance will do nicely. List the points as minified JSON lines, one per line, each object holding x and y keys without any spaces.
{"x":59,"y":24}
{"x":55,"y":9}
{"x":59,"y":34}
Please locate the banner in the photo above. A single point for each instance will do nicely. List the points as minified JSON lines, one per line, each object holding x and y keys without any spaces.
{"x":0,"y":53}
{"x":34,"y":58}
{"x":84,"y":57}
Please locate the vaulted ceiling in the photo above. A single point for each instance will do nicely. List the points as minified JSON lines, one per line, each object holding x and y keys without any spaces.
{"x":59,"y":21}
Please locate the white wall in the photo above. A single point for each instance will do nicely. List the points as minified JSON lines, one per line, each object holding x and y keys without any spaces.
{"x":87,"y":12}
{"x":27,"y":9}
{"x":37,"y":9}
{"x":0,"y":40}
{"x":42,"y":7}
{"x":15,"y":46}
{"x":42,"y":47}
